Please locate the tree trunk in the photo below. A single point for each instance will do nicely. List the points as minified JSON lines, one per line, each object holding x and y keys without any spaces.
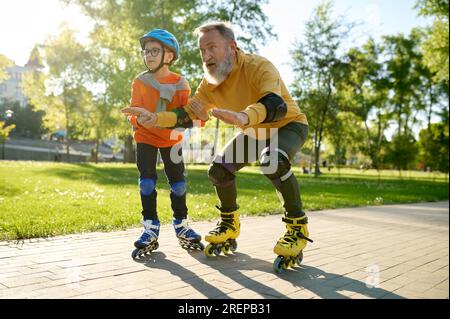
{"x":316,"y":161}
{"x":320,"y":131}
{"x":66,"y":110}
{"x":369,"y":142}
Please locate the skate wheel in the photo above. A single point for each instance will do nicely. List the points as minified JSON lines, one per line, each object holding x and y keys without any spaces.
{"x":226,"y":249}
{"x":233,"y":245}
{"x":291,"y":263}
{"x":299,"y":258}
{"x":278,"y":265}
{"x":209,"y":250}
{"x":134,"y":253}
{"x":218,"y":250}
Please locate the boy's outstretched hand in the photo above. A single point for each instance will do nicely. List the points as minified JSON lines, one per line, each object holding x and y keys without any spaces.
{"x":137,"y":111}
{"x":144,"y":117}
{"x":230,"y":117}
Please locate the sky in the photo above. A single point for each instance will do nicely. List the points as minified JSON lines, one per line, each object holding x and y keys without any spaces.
{"x":26,"y":22}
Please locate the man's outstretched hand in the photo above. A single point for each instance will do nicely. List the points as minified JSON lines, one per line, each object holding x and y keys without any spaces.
{"x":145,"y":118}
{"x":199,"y":110}
{"x":230,"y":117}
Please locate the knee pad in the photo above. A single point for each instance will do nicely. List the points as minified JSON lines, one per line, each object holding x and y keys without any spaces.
{"x":219,"y":175}
{"x":275,"y":165}
{"x":178,"y":188}
{"x":147,"y":186}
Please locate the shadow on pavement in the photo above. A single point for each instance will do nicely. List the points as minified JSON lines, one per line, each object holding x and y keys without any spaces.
{"x":158,"y":260}
{"x":329,"y":285}
{"x":323,"y":284}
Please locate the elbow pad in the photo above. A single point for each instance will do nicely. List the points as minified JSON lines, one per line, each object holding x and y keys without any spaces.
{"x":275,"y":106}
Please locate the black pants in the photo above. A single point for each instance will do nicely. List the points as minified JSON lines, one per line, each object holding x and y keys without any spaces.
{"x":290,"y":139}
{"x":146,"y":159}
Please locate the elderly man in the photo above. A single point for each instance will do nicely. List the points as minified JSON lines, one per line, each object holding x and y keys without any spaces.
{"x":247,"y":91}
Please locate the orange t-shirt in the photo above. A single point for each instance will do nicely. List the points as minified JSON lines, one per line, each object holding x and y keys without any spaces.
{"x":146,"y":94}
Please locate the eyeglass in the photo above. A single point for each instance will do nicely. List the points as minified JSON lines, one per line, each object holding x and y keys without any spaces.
{"x":153,"y":52}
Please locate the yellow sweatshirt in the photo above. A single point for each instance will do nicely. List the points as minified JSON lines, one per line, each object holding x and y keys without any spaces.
{"x":251,"y":78}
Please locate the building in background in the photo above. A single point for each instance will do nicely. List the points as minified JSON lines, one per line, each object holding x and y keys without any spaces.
{"x":11,"y":88}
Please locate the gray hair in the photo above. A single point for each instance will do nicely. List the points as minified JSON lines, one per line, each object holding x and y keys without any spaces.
{"x":224,"y":28}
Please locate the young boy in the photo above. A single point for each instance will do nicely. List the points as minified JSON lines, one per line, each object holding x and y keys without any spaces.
{"x":157,"y":90}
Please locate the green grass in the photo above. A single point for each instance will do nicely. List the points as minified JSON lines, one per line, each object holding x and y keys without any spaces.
{"x":41,"y":199}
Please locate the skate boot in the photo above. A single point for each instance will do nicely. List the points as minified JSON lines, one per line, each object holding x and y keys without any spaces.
{"x":289,"y":248}
{"x":148,"y":241}
{"x":187,"y":237}
{"x":223,"y":237}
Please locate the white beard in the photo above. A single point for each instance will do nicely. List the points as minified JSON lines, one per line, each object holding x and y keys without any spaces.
{"x":222,"y":71}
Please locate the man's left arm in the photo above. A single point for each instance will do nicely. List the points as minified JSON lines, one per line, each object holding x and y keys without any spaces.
{"x":270,"y":107}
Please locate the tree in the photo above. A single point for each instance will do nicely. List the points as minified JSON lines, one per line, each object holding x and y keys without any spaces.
{"x":403,"y":71}
{"x":433,"y":147}
{"x":402,"y":151}
{"x":364,"y":90}
{"x":251,"y":24}
{"x":4,"y":63}
{"x":5,"y":130}
{"x":316,"y":65}
{"x":344,"y":135}
{"x":27,"y":121}
{"x":58,"y":92}
{"x":436,"y":45}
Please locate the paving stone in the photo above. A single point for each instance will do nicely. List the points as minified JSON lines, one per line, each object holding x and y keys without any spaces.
{"x":387,"y":252}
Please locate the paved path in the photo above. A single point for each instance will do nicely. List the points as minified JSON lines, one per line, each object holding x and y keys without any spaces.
{"x":402,"y":250}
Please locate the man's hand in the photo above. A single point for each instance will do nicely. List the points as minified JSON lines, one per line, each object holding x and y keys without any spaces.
{"x":147,"y":121}
{"x":199,"y":110}
{"x":145,"y":118}
{"x":230,"y":117}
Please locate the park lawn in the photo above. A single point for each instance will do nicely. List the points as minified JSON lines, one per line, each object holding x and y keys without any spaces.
{"x":43,"y":199}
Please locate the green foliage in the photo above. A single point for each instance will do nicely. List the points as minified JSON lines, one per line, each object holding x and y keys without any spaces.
{"x":433,"y":147}
{"x":4,"y":63}
{"x":437,"y":8}
{"x":33,"y":86}
{"x":363,"y":88}
{"x":403,"y":63}
{"x":5,"y":130}
{"x":344,"y":136}
{"x":28,"y":122}
{"x":402,"y":151}
{"x":251,"y":24}
{"x":61,"y":93}
{"x":317,"y":66}
{"x":436,"y":44}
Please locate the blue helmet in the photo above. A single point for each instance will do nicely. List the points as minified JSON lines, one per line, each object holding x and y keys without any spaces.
{"x":164,"y":37}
